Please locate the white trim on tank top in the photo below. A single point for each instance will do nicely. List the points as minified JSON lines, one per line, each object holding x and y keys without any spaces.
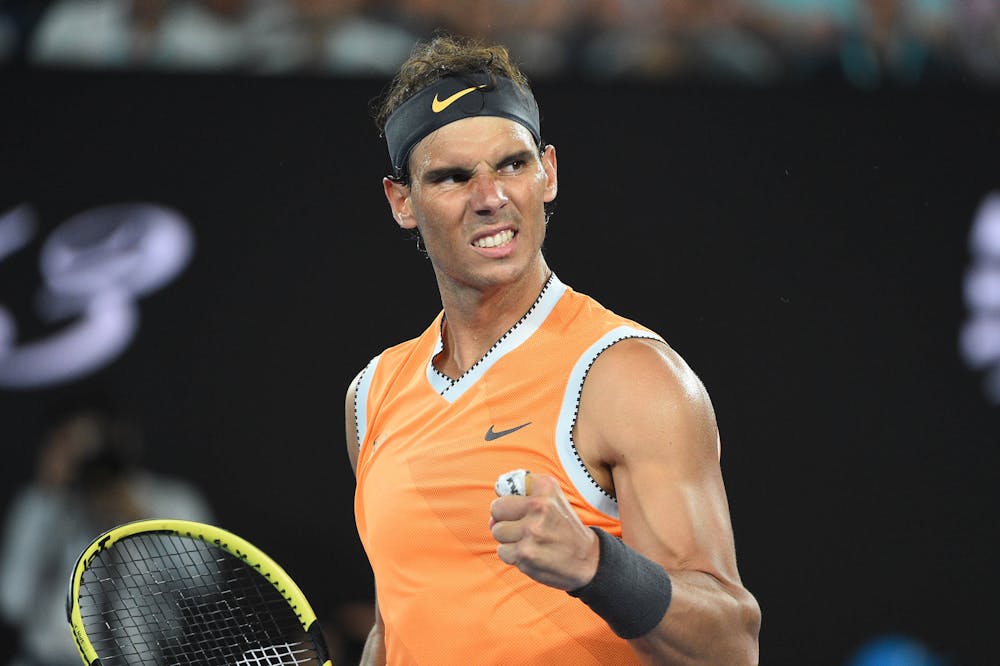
{"x":361,"y":399}
{"x":568,"y":455}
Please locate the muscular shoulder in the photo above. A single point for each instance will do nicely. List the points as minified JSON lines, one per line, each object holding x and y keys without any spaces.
{"x":646,"y":365}
{"x":641,"y":398}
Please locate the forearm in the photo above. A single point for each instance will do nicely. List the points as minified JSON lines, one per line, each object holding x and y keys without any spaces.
{"x":682,"y":617}
{"x":706,"y":623}
{"x":374,"y":652}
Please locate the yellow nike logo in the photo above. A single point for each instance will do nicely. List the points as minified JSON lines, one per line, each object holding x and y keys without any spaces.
{"x":439,"y":105}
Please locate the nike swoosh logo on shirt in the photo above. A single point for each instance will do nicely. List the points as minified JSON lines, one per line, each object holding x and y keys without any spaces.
{"x":439,"y":105}
{"x":491,"y":435}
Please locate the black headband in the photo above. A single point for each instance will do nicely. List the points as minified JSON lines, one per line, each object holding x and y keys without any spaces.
{"x":453,"y":98}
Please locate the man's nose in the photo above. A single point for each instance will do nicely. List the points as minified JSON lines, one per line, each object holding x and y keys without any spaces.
{"x":488,"y":196}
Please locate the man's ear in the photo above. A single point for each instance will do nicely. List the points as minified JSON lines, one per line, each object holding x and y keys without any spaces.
{"x":398,"y":196}
{"x":551,"y":173}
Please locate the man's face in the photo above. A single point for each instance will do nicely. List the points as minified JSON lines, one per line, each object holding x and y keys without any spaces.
{"x":477,"y":192}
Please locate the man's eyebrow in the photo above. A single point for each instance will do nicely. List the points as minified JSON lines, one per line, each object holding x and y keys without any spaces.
{"x":434,"y":175}
{"x":519,"y":156}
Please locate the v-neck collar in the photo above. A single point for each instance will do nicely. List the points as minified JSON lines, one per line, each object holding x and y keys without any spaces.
{"x":452,"y":389}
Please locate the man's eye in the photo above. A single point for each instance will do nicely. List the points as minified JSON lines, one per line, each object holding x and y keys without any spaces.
{"x":513,"y":167}
{"x":449,"y":178}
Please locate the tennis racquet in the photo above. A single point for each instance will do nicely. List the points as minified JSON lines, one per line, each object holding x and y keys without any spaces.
{"x":172,"y":592}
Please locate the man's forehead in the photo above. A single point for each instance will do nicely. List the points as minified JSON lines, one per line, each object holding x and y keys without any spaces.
{"x":472,"y":138}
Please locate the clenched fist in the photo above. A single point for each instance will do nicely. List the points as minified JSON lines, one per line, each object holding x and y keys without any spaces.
{"x":541,"y":535}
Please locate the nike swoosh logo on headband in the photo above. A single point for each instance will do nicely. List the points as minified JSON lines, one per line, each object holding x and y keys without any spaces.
{"x":439,"y":105}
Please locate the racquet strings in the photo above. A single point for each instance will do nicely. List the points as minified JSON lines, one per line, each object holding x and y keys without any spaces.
{"x":165,"y":599}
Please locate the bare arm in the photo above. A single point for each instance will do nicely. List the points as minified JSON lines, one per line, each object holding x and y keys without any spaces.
{"x":374,"y":652}
{"x":647,"y":433}
{"x":647,"y":419}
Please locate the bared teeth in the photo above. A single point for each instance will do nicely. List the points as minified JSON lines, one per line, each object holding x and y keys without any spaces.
{"x":496,"y":240}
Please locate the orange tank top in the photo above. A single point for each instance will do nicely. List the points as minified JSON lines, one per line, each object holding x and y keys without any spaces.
{"x":431,"y":449}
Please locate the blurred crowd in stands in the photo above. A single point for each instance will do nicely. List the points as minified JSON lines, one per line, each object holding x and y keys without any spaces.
{"x":865,"y":43}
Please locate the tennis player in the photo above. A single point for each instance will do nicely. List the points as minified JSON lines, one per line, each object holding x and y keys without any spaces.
{"x":621,"y":549}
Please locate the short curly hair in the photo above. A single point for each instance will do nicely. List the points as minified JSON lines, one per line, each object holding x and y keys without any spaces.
{"x":442,"y":56}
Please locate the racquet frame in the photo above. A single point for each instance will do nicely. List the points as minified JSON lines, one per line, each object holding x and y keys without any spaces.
{"x":215,"y":536}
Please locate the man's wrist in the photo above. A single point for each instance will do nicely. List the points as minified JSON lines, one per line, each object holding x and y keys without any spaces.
{"x":629,"y":591}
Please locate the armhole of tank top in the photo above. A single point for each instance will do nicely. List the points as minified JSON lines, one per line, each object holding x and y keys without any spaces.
{"x":570,"y":459}
{"x":361,"y":401}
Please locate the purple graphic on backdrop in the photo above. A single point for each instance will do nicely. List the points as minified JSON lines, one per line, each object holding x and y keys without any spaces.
{"x":980,"y":336}
{"x":94,"y":266}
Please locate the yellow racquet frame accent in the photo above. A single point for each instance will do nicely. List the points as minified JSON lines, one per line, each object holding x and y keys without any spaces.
{"x":227,"y":541}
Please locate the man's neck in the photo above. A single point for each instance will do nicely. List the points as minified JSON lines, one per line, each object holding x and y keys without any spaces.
{"x":475,"y":319}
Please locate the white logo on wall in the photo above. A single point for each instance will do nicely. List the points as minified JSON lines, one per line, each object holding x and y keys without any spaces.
{"x":94,"y":267}
{"x":980,"y":336}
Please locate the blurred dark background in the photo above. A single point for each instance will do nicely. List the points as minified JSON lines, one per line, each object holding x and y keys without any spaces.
{"x":804,"y":245}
